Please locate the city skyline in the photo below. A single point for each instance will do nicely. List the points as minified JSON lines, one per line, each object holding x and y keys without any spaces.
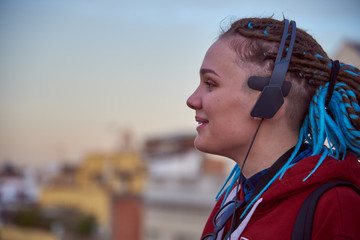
{"x":76,"y":74}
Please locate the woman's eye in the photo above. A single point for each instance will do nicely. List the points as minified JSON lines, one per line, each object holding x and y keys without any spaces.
{"x":209,"y":84}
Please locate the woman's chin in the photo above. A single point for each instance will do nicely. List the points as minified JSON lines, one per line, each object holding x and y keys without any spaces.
{"x":203,"y":146}
{"x":200,"y":145}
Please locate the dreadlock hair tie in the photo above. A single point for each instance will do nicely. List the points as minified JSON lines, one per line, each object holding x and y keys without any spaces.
{"x":335,"y":67}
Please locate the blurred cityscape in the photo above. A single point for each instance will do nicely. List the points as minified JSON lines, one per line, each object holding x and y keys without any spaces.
{"x":163,"y":191}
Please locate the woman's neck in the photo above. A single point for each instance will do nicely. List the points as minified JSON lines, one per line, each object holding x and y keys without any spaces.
{"x":266,"y":150}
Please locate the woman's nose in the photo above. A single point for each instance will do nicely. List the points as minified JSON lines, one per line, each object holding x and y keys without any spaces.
{"x":194,"y":101}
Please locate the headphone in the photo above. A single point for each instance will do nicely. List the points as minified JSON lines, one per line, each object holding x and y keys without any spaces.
{"x":275,"y":88}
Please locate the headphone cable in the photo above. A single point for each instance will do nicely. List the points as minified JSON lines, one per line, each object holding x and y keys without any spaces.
{"x":233,"y":220}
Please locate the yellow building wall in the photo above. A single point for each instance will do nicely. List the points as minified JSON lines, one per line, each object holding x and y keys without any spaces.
{"x":16,"y":233}
{"x":94,"y":201}
{"x":95,"y":164}
{"x":126,"y":161}
{"x":110,"y":167}
{"x":97,"y":179}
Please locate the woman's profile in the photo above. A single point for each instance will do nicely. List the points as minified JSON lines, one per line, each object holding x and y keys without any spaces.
{"x":271,"y":100}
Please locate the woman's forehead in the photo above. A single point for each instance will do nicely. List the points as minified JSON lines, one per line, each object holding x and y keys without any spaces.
{"x":219,"y":53}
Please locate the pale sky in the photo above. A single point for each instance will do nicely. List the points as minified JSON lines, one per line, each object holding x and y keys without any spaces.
{"x":74,"y":73}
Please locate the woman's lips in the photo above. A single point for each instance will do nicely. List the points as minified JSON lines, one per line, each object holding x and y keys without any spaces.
{"x":201,"y":121}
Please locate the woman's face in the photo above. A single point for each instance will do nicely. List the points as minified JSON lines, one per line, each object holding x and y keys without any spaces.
{"x":222,"y":103}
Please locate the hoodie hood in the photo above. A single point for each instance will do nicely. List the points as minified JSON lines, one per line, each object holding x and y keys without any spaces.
{"x":330,"y":170}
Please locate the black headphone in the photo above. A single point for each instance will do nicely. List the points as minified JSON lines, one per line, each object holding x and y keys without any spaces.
{"x":274,"y":88}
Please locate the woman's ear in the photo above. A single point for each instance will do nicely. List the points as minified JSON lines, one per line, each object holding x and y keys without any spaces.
{"x":281,"y":113}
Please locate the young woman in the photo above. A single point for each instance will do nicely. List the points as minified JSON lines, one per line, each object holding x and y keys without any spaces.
{"x":311,"y":138}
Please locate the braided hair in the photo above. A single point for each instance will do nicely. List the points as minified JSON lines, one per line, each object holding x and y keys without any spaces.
{"x":337,"y":124}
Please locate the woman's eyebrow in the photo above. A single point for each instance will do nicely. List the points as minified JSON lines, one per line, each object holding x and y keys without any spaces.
{"x":206,"y":70}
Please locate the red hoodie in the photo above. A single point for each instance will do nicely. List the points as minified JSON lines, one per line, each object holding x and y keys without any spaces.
{"x":337,"y":214}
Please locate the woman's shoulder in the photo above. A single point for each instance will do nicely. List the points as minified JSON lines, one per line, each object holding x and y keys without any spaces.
{"x":337,"y":214}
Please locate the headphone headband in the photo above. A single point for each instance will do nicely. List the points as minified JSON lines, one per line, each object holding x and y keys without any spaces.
{"x":274,"y":88}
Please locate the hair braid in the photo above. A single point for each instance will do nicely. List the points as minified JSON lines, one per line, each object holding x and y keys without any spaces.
{"x":338,"y":124}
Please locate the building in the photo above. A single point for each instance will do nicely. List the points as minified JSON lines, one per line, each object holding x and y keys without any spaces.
{"x":181,"y":188}
{"x":16,"y":186}
{"x":104,"y":185}
{"x":18,"y":190}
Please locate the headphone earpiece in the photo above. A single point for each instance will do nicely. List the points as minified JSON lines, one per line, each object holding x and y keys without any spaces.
{"x":274,"y":89}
